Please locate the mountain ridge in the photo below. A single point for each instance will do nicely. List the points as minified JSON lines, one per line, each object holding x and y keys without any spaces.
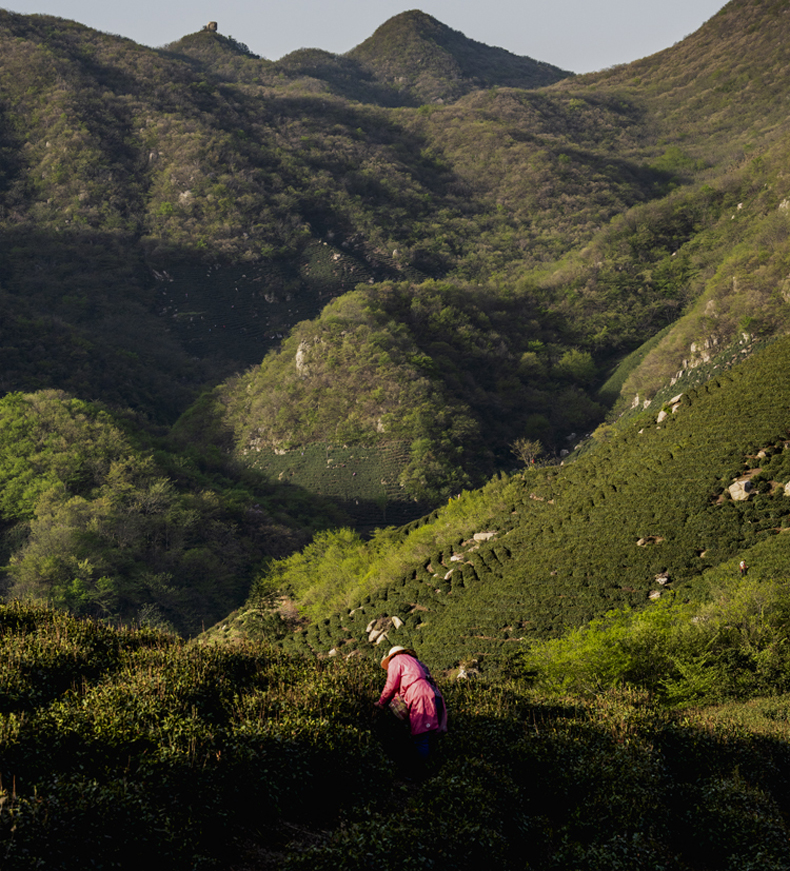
{"x":558,"y":318}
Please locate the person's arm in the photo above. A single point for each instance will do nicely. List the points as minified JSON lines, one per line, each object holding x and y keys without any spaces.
{"x":392,"y":685}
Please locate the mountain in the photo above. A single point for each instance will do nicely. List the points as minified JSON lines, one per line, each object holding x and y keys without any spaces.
{"x":620,"y":210}
{"x":433,"y":63}
{"x":310,"y":285}
{"x":410,"y":60}
{"x":279,"y":345}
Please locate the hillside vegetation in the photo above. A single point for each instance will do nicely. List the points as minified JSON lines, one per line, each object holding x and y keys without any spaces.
{"x":598,"y":213}
{"x":644,"y":515}
{"x":362,"y":289}
{"x":431,"y":63}
{"x":403,"y":287}
{"x":424,"y":344}
{"x":102,"y":525}
{"x":129,"y":749}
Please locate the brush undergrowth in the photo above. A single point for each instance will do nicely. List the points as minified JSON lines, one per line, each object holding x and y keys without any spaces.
{"x":126,"y":749}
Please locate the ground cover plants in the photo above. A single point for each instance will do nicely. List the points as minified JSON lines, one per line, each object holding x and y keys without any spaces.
{"x":126,"y":748}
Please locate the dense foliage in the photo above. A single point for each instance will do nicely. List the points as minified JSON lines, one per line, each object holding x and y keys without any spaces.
{"x":99,"y":525}
{"x":124,"y":749}
{"x":453,"y":372}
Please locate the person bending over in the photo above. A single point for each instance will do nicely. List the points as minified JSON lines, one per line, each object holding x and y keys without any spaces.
{"x":411,"y":691}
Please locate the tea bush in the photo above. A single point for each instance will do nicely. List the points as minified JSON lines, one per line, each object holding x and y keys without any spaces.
{"x":148,"y":750}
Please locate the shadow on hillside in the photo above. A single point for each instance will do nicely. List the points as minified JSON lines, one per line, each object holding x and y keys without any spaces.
{"x":367,"y":516}
{"x":346,"y":77}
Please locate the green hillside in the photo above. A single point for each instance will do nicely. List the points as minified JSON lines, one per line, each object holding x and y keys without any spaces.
{"x":424,"y":344}
{"x":600,"y":222}
{"x":429,"y":62}
{"x":103,"y":524}
{"x":643,"y":515}
{"x":345,"y":294}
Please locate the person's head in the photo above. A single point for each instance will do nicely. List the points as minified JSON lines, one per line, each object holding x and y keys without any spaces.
{"x":394,"y":651}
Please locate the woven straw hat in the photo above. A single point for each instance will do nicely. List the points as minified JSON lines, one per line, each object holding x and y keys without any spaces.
{"x":394,"y":651}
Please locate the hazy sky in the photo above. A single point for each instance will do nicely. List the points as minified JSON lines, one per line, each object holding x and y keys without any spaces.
{"x":577,"y":35}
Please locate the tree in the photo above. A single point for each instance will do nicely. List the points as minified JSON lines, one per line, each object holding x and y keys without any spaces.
{"x":527,"y":450}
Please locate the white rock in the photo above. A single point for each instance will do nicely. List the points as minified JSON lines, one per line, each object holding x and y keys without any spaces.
{"x":741,"y":489}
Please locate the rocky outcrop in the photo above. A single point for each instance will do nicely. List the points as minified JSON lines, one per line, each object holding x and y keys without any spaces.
{"x":301,"y":359}
{"x":649,"y":539}
{"x":671,"y":407}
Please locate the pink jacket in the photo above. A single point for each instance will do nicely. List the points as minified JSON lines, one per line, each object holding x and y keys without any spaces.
{"x":409,"y":678}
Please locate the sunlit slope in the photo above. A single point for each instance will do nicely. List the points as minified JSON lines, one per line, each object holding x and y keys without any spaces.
{"x":725,"y":83}
{"x":646,"y":511}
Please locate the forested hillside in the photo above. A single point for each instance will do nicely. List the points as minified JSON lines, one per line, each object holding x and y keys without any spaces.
{"x":342,"y":293}
{"x":604,"y":210}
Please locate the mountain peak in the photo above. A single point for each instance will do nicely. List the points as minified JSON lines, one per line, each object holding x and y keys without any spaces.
{"x":433,"y":62}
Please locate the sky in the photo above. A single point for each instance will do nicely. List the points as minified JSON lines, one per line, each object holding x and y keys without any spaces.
{"x":577,"y":35}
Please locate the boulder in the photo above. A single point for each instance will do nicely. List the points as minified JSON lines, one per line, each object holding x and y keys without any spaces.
{"x":377,"y":629}
{"x":741,"y":489}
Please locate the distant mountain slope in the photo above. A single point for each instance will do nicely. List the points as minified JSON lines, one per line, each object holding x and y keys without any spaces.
{"x":434,"y":63}
{"x":319,"y":71}
{"x":449,"y":276}
{"x":724,"y":85}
